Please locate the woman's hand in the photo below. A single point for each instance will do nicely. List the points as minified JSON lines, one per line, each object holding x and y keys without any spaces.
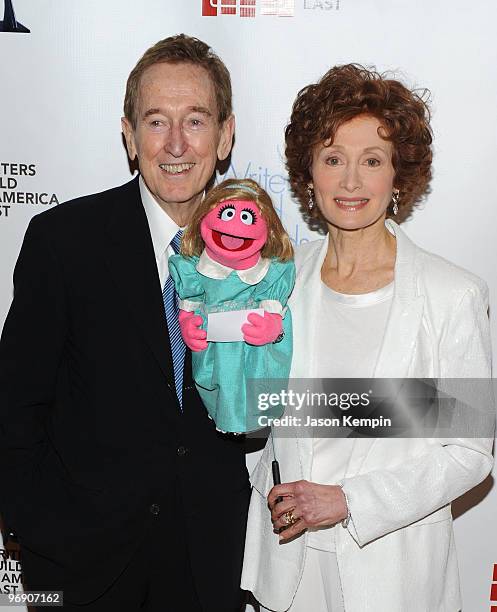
{"x":311,"y":504}
{"x":193,"y":337}
{"x":262,"y":330}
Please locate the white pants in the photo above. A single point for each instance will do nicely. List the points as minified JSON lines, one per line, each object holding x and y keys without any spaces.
{"x":319,"y":589}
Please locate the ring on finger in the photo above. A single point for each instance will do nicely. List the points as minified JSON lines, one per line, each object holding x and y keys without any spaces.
{"x":289,"y":517}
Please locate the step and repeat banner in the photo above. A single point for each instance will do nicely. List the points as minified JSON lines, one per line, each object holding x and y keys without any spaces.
{"x":63,"y":69}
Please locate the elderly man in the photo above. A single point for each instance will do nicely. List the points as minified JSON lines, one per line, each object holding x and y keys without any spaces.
{"x":120,"y":490}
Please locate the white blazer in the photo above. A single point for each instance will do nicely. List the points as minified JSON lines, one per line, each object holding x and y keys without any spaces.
{"x":398,"y":553}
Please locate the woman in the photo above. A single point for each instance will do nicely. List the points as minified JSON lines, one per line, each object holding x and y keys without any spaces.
{"x":365,"y":524}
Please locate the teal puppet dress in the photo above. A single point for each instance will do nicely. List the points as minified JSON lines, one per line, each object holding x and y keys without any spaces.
{"x":225,"y":371}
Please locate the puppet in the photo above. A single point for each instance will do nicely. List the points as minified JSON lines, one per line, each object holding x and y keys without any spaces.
{"x":235,"y":255}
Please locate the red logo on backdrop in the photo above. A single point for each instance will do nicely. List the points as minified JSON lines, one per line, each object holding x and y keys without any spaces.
{"x":493,"y":589}
{"x":213,"y":8}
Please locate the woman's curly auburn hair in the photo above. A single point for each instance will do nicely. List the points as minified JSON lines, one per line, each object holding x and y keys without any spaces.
{"x":278,"y":243}
{"x":348,"y":91}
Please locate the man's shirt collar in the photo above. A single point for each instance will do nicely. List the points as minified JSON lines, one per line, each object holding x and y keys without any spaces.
{"x":162,"y":227}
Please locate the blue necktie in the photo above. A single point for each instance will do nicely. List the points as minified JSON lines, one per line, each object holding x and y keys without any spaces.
{"x":178,"y":348}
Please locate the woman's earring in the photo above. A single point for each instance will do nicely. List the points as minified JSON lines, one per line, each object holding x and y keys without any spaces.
{"x":310,"y":192}
{"x":395,"y":200}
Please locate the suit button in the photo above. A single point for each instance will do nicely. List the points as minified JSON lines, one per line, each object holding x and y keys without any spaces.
{"x":155,"y":509}
{"x":181,"y":451}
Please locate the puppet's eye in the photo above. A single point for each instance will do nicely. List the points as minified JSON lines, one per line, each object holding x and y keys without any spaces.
{"x":247,"y":216}
{"x":227,"y":213}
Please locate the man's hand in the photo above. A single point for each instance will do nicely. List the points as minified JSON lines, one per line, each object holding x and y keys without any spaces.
{"x":313,"y":505}
{"x":262,"y":330}
{"x":193,"y":337}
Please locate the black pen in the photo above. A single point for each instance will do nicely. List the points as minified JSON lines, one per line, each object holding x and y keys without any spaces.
{"x":276,"y":471}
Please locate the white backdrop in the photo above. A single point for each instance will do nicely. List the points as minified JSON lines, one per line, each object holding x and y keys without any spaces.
{"x":62,"y":90}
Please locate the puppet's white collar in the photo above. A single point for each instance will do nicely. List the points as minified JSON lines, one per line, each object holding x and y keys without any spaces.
{"x":250,"y":276}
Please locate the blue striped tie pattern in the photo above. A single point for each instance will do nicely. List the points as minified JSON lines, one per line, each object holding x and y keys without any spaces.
{"x":178,"y":348}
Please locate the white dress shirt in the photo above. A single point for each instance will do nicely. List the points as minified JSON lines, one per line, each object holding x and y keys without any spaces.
{"x":162,"y":228}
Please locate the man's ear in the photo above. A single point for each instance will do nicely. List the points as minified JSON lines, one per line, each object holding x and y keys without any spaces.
{"x":226,"y":139}
{"x":129,"y":136}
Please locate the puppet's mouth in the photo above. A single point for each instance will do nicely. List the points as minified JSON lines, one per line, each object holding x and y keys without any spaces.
{"x":231,"y":243}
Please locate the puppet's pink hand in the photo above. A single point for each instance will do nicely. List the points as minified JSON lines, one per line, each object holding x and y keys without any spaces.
{"x":193,"y":337}
{"x":262,"y":330}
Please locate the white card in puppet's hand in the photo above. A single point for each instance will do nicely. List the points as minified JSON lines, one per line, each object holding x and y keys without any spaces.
{"x":227,"y":326}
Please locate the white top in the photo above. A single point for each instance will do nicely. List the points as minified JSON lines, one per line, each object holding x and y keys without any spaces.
{"x":352,"y":328}
{"x":162,"y":229}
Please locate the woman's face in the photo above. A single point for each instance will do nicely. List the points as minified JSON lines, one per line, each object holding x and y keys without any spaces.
{"x":353,"y":176}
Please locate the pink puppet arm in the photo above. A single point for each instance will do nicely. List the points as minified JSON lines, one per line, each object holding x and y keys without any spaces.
{"x":262,"y":330}
{"x":193,"y":337}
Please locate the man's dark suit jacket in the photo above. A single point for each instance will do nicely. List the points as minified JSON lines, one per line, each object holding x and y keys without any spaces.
{"x":91,"y":431}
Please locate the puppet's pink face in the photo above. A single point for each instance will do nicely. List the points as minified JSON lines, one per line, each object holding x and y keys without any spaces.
{"x":234,"y":233}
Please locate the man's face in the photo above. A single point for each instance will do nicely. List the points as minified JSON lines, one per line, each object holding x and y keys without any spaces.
{"x":177,"y":137}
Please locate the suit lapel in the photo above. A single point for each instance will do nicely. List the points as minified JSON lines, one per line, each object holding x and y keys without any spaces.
{"x":399,"y":341}
{"x":131,"y":261}
{"x":305,"y":328}
{"x":303,"y":304}
{"x":405,"y":314}
{"x":398,"y":344}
